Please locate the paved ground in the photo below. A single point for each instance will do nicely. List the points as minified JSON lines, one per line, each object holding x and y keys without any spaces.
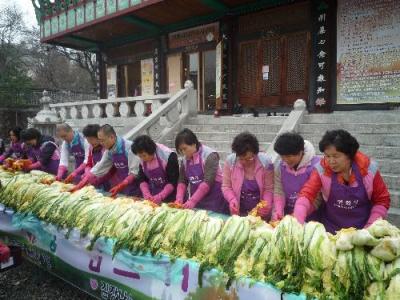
{"x":28,"y":281}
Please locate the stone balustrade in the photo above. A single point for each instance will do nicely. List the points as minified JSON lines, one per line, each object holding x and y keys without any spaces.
{"x":109,"y":108}
{"x":168,"y":117}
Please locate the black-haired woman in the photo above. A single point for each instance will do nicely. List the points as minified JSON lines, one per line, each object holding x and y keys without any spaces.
{"x":200,"y":175}
{"x":42,"y":151}
{"x":16,"y":148}
{"x":353,"y":190}
{"x":248,"y":177}
{"x":158,"y":170}
{"x":297,"y":161}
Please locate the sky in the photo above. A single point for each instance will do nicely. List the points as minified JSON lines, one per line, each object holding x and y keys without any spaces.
{"x":27,"y":9}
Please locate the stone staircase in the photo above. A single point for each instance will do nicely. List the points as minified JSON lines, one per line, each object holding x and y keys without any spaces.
{"x":378,"y":133}
{"x":218,"y":133}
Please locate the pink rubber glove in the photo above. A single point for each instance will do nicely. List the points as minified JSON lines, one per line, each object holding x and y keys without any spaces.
{"x":168,"y":189}
{"x":233,"y":206}
{"x":377,"y":212}
{"x":302,"y":209}
{"x":75,"y":173}
{"x":2,"y":158}
{"x":89,"y":178}
{"x":264,"y":211}
{"x":62,"y":170}
{"x":279,"y":208}
{"x":144,"y":187}
{"x":180,"y":193}
{"x":201,"y":191}
{"x":34,"y":166}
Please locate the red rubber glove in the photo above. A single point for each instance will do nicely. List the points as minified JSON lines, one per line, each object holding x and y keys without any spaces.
{"x":119,"y":187}
{"x":4,"y":253}
{"x":29,"y":166}
{"x":84,"y":181}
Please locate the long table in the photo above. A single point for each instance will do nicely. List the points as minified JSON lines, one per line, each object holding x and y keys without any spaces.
{"x":126,"y":276}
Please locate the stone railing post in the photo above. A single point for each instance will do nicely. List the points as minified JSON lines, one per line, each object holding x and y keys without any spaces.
{"x":46,"y":119}
{"x":291,"y":124}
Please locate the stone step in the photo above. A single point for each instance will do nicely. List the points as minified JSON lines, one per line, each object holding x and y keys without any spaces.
{"x":376,"y":152}
{"x":234,"y":128}
{"x":394,"y":216}
{"x":395,"y":198}
{"x":229,"y":136}
{"x":363,"y":139}
{"x":354,"y":117}
{"x":392,"y":181}
{"x":201,"y":120}
{"x":389,"y":166}
{"x":223,"y":147}
{"x":353,"y":128}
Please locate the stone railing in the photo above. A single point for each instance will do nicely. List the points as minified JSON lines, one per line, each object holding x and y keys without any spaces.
{"x":291,"y":124}
{"x":169,"y":117}
{"x":109,"y":108}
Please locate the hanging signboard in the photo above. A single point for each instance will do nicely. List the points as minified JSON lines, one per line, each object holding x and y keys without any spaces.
{"x":147,"y":69}
{"x":194,"y":36}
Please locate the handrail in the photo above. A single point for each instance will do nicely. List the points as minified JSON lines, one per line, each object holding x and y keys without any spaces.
{"x":168,"y":116}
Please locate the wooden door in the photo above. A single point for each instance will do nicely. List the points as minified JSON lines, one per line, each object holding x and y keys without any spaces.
{"x":297,"y":64}
{"x":287,"y":57}
{"x":249,"y":76}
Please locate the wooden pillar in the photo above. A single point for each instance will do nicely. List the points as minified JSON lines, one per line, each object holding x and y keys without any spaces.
{"x":102,"y":75}
{"x":323,"y":62}
{"x":227,"y":37}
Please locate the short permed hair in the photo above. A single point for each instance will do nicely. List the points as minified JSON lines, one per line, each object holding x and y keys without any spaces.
{"x":244,"y":142}
{"x":144,"y":143}
{"x":289,"y":143}
{"x":342,"y":140}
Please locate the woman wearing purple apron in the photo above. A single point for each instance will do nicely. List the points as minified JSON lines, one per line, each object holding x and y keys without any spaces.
{"x":354,"y":193}
{"x":16,"y":148}
{"x":75,"y":145}
{"x":297,"y":160}
{"x":158,"y":171}
{"x":44,"y":153}
{"x":200,"y":175}
{"x":248,"y":177}
{"x":117,"y":155}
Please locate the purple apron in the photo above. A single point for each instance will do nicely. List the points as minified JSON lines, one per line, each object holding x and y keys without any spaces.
{"x":214,"y":200}
{"x":78,"y":152}
{"x":249,"y":196}
{"x":101,"y":182}
{"x":346,"y":206}
{"x":120,"y":162}
{"x":52,"y":166}
{"x":17,"y":150}
{"x":158,"y":180}
{"x":292,"y":184}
